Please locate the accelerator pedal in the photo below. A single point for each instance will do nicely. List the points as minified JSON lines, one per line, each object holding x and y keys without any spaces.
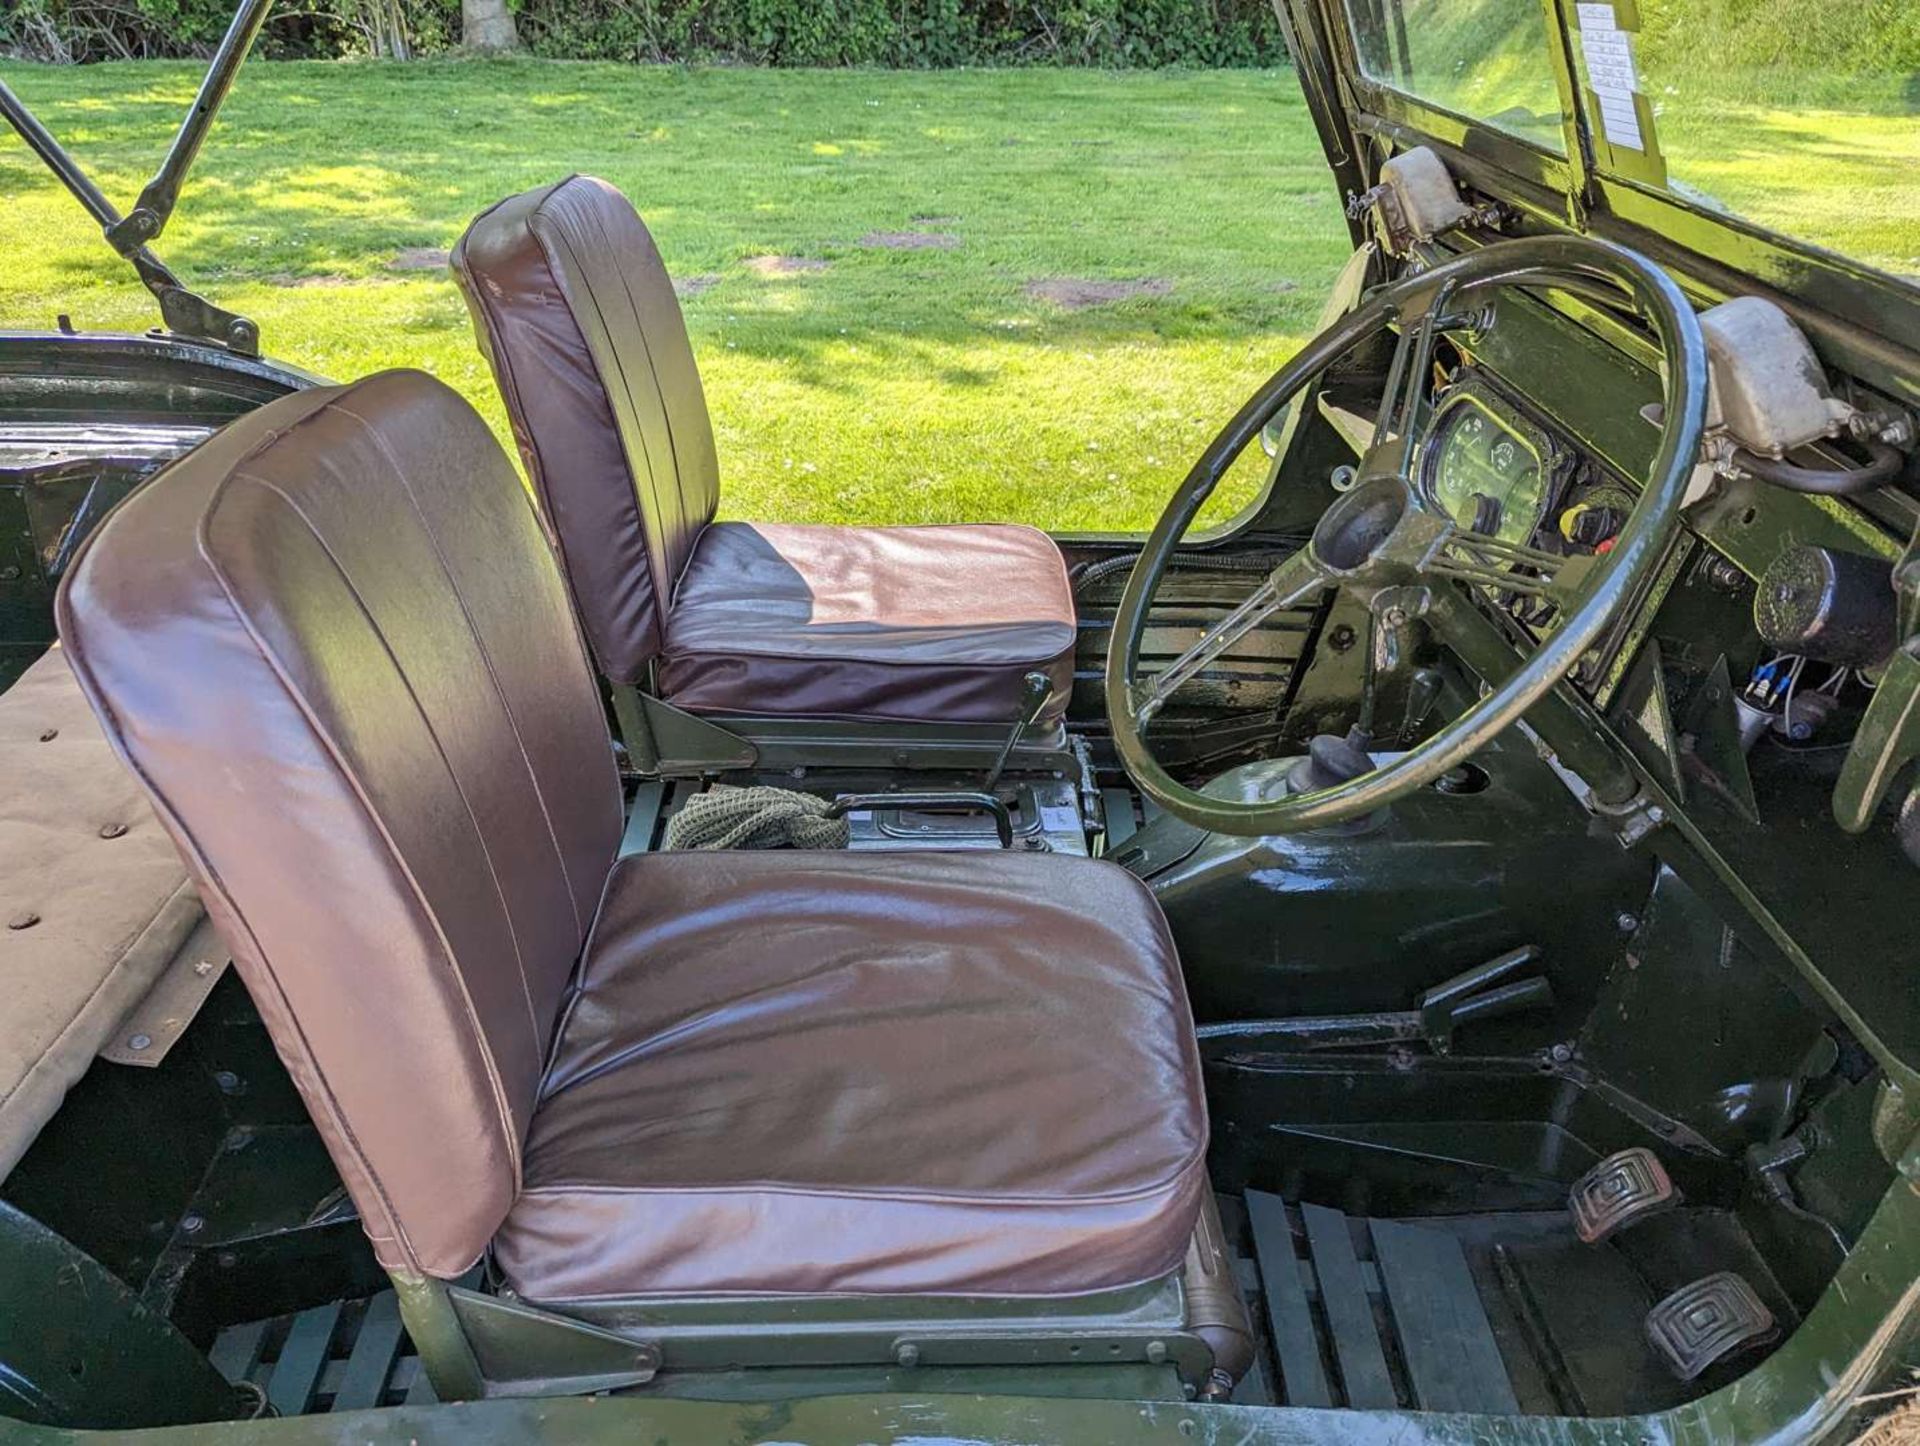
{"x":1622,"y":1190}
{"x":1703,"y":1323}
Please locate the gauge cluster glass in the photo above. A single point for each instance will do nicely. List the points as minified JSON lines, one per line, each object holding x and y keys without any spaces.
{"x":1483,"y":472}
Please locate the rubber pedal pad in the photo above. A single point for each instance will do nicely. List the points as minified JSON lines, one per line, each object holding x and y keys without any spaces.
{"x":1707,"y":1321}
{"x":1626,"y":1187}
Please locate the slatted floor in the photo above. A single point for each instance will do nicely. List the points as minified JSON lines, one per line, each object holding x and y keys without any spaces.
{"x":1374,"y":1314}
{"x":346,"y":1356}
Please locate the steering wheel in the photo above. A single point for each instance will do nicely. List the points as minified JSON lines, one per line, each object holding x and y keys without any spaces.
{"x":1385,"y":543}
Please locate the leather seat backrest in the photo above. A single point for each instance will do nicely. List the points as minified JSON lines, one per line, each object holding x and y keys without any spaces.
{"x":577,"y":316}
{"x":333,"y":645}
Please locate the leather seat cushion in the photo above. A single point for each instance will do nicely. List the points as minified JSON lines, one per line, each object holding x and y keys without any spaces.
{"x":911,"y":1073}
{"x":909,"y":624}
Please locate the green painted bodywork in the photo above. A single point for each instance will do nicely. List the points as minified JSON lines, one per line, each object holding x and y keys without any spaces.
{"x":1702,"y":850}
{"x":1803,"y":1394}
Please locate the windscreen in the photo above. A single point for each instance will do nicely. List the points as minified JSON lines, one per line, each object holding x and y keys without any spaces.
{"x":1799,"y":118}
{"x":1490,"y":60}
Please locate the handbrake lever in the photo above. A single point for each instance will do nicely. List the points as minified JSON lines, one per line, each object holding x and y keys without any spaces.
{"x":1473,"y":994}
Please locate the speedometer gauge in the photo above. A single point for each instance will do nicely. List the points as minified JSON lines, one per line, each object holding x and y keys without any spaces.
{"x":1483,"y":473}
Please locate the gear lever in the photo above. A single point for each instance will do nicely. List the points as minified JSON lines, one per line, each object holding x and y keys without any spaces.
{"x":1035,"y":689}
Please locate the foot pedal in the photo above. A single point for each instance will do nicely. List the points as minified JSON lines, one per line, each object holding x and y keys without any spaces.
{"x":1624,"y":1188}
{"x":1707,"y":1321}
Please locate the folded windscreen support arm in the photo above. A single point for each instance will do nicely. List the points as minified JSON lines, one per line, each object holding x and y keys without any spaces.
{"x":184,"y":312}
{"x":150,"y":213}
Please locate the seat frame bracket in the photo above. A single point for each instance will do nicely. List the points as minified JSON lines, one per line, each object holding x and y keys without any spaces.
{"x":476,"y":1346}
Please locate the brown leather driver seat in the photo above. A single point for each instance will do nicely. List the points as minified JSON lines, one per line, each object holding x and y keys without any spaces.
{"x":333,"y":646}
{"x":578,"y":317}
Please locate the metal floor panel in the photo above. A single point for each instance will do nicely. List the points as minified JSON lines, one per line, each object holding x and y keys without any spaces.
{"x":347,"y":1356}
{"x":1374,"y":1314}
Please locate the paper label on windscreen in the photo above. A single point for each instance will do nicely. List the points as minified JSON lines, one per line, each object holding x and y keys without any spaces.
{"x":1610,"y":74}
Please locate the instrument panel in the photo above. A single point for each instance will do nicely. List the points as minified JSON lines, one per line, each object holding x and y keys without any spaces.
{"x":1484,"y":462}
{"x":1485,"y":467}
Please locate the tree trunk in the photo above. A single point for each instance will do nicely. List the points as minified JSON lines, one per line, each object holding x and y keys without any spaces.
{"x":486,"y":27}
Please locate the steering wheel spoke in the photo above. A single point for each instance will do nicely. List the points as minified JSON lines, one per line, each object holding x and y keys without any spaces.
{"x":1405,"y":398}
{"x":1474,"y":557}
{"x":1291,"y":583}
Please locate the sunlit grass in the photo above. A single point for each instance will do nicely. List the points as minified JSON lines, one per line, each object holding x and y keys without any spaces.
{"x":1837,"y":164}
{"x":895,"y":385}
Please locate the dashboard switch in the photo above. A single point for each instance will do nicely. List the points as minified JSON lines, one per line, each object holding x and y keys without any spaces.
{"x":1585,"y":525}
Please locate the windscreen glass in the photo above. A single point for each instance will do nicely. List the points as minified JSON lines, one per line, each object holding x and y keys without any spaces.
{"x":1489,"y":60}
{"x":1800,"y":118}
{"x":1795,"y":117}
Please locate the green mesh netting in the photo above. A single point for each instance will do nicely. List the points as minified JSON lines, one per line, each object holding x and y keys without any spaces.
{"x":755,"y":818}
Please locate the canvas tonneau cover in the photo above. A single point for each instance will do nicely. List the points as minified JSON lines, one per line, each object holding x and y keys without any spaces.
{"x":94,"y":901}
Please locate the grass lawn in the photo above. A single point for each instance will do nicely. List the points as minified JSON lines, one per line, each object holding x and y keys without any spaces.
{"x":908,"y":360}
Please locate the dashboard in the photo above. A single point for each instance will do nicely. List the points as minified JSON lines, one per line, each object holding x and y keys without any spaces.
{"x":1536,"y":427}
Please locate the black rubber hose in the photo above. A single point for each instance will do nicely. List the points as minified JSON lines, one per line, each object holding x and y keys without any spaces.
{"x":1826,"y":481}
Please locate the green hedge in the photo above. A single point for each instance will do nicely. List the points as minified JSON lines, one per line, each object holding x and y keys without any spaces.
{"x":907,"y":33}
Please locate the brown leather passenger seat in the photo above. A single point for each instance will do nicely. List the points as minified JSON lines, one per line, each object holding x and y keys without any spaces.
{"x":333,"y":646}
{"x":577,"y":315}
